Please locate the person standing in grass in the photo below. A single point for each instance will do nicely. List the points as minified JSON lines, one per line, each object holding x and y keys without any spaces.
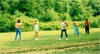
{"x":18,"y":27}
{"x":36,"y":29}
{"x":76,"y":30}
{"x":87,"y":26}
{"x":64,"y":24}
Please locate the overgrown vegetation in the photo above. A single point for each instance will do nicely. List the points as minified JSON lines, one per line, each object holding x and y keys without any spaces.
{"x":47,"y":11}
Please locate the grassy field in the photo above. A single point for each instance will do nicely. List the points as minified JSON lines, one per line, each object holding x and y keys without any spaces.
{"x":49,"y":41}
{"x":86,"y":50}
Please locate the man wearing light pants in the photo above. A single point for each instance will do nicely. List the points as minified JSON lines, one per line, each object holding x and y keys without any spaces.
{"x":76,"y":31}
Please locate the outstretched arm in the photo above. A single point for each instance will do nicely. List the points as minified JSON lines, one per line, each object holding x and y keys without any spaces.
{"x":21,"y":26}
{"x":66,"y":24}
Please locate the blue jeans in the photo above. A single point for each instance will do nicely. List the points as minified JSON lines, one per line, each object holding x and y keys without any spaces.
{"x":76,"y":31}
{"x":18,"y":30}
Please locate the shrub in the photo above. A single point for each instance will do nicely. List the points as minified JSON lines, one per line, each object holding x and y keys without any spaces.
{"x":46,"y":18}
{"x":95,"y":21}
{"x":82,"y":24}
{"x":49,"y":26}
{"x":94,"y":24}
{"x":18,"y":14}
{"x":7,"y":23}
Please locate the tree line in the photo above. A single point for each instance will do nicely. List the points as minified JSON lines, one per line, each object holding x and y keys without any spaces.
{"x":48,"y":10}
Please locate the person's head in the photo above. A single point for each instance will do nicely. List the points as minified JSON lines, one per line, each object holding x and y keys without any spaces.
{"x":36,"y":20}
{"x":74,"y":19}
{"x":63,"y":20}
{"x":86,"y":19}
{"x":18,"y":21}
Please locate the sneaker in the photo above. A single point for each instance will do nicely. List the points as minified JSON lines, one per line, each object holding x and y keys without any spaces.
{"x":66,"y":38}
{"x":60,"y":39}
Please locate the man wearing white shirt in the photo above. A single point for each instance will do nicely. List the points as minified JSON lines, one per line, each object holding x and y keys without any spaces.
{"x":64,"y":24}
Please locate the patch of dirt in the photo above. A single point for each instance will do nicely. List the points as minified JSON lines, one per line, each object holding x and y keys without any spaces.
{"x":61,"y":49}
{"x":44,"y":51}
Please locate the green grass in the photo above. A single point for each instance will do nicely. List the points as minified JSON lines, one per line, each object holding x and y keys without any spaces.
{"x":86,"y":50}
{"x":48,"y":40}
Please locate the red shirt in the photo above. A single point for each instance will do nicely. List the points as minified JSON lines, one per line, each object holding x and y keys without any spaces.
{"x":86,"y":23}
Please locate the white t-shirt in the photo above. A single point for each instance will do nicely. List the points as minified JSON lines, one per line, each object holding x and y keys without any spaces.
{"x":36,"y":27}
{"x":63,"y":25}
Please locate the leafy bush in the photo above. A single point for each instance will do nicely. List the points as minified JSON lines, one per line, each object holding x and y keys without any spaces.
{"x":18,"y":14}
{"x":81,"y":24}
{"x":50,"y":26}
{"x":95,"y":21}
{"x":94,"y":24}
{"x":7,"y":23}
{"x":46,"y":18}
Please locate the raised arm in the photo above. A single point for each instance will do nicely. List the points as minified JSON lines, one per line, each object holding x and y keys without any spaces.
{"x":66,"y":24}
{"x":21,"y":26}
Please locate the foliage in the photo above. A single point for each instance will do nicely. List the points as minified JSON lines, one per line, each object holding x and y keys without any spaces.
{"x":95,"y":22}
{"x":47,"y":11}
{"x":40,"y":9}
{"x":7,"y":23}
{"x":50,"y":26}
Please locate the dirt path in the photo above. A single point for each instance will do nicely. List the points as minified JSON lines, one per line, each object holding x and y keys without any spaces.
{"x":61,"y":49}
{"x":44,"y":51}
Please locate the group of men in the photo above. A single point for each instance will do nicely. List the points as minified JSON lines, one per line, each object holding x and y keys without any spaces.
{"x":18,"y":27}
